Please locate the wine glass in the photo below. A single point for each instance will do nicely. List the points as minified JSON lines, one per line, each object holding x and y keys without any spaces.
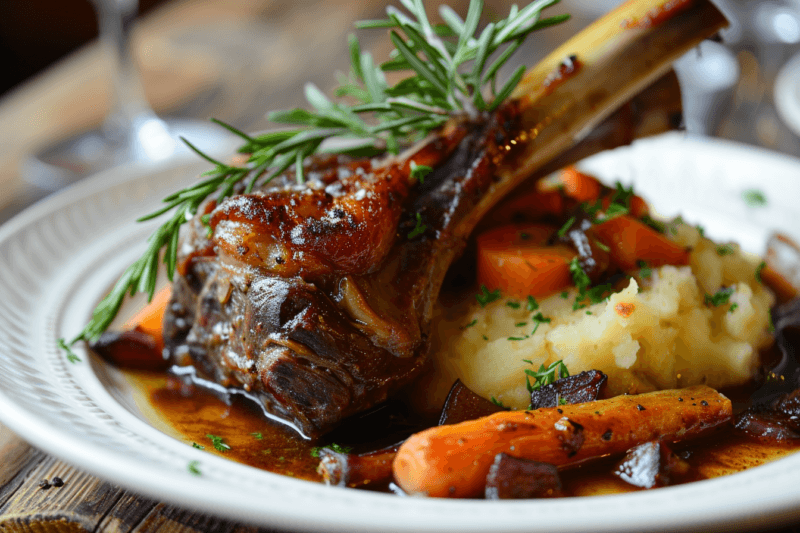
{"x":132,"y":132}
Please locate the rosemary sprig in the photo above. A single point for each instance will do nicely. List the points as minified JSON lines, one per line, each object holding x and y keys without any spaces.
{"x":449,"y":73}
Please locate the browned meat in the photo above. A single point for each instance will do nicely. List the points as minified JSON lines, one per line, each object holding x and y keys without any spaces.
{"x":580,"y":388}
{"x":652,"y":464}
{"x":315,"y":300}
{"x":265,"y":305}
{"x":463,"y":404}
{"x":515,"y":478}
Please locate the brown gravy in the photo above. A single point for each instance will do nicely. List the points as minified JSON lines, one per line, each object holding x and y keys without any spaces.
{"x":191,"y":414}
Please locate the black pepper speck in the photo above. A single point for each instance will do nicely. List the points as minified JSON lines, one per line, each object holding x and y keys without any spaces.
{"x":58,"y":482}
{"x":640,"y":407}
{"x":44,"y":484}
{"x":704,"y":403}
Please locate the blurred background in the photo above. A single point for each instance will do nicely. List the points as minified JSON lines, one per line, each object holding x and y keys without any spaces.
{"x":237,"y":59}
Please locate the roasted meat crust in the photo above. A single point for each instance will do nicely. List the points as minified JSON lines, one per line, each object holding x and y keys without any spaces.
{"x":316,"y":299}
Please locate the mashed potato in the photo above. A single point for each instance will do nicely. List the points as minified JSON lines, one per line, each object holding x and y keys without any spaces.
{"x":661,"y":330}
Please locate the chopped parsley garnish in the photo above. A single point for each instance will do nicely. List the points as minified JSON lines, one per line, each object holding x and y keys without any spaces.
{"x":644,"y":270}
{"x":71,"y":356}
{"x":470,"y":324}
{"x":193,"y":468}
{"x":218,"y":442}
{"x":516,"y":338}
{"x":520,"y":324}
{"x":419,"y":228}
{"x":512,"y":304}
{"x":622,"y":196}
{"x":581,"y":281}
{"x":579,"y":277}
{"x":701,"y":230}
{"x":257,"y":435}
{"x":653,"y":223}
{"x":545,"y":375}
{"x":485,"y":338}
{"x":497,"y":402}
{"x":539,"y":319}
{"x":758,"y":271}
{"x":721,"y":297}
{"x":316,"y":450}
{"x":532,"y":305}
{"x":733,"y":308}
{"x":754,"y":198}
{"x":565,"y":294}
{"x":565,"y":228}
{"x":614,"y":210}
{"x":602,"y":246}
{"x":418,"y":172}
{"x":198,"y":446}
{"x":725,"y":249}
{"x":486,"y":296}
{"x":598,"y":294}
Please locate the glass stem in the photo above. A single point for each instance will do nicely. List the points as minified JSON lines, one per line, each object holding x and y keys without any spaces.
{"x":115,"y":20}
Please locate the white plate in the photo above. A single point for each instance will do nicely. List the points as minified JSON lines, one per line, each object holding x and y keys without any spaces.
{"x":60,"y":256}
{"x":787,"y":93}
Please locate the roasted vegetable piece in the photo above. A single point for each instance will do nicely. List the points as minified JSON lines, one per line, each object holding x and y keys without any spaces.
{"x":784,"y":378}
{"x":774,"y":415}
{"x":513,"y":478}
{"x":351,"y":470}
{"x":652,"y":464}
{"x":517,"y":260}
{"x":782,"y":270}
{"x":584,"y":387}
{"x":768,"y":425}
{"x":453,"y":461}
{"x":632,"y":241}
{"x":130,"y":349}
{"x":462,"y":404}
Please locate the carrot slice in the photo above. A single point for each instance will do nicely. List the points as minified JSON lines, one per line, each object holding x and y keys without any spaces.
{"x":783,"y":288}
{"x":150,"y":318}
{"x":631,"y":241}
{"x":453,"y":461}
{"x":516,"y":260}
{"x":582,"y":187}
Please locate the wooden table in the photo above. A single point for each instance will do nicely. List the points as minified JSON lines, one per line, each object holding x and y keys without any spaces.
{"x":233,"y":60}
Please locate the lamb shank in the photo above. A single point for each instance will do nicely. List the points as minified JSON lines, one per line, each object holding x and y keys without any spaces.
{"x":315,"y":300}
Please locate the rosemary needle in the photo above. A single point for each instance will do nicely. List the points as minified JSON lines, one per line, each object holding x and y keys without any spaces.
{"x":450,"y":73}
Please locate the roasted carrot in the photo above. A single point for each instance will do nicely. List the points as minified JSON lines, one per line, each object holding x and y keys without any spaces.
{"x":149,"y":319}
{"x":453,"y":461}
{"x":582,"y":187}
{"x":782,"y":287}
{"x":516,"y":260}
{"x":631,"y":241}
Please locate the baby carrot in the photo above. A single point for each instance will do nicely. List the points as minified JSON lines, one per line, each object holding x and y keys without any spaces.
{"x":453,"y":461}
{"x":582,"y":187}
{"x":149,"y":319}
